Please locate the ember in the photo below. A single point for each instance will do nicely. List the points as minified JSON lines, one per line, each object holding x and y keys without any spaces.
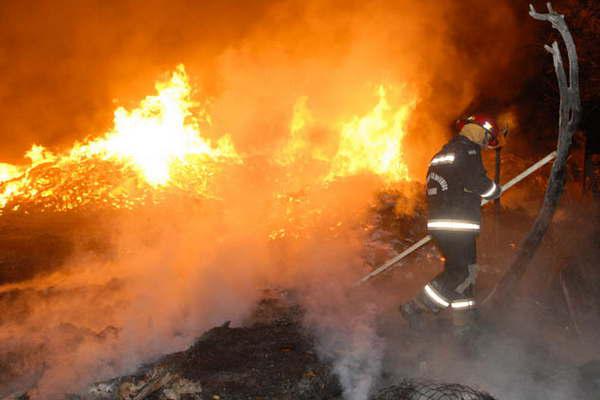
{"x":374,"y":142}
{"x":154,"y":147}
{"x":159,"y":146}
{"x":229,"y":200}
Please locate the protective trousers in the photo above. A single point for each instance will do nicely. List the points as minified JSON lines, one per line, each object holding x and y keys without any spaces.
{"x":453,"y":288}
{"x":460,"y":253}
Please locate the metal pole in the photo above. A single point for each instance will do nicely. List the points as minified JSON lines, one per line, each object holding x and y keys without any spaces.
{"x":388,"y":264}
{"x":394,"y":260}
{"x":497,"y":207}
{"x":497,"y":176}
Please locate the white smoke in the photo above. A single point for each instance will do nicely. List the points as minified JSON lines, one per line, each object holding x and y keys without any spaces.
{"x":358,"y":355}
{"x":346,"y":332}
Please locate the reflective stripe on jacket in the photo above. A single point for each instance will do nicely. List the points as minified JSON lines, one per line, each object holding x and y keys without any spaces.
{"x":456,"y":183}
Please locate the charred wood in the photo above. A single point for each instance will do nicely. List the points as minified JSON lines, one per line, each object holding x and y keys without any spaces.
{"x":569,"y":116}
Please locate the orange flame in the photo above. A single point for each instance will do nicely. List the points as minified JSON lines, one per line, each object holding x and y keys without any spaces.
{"x":158,"y":133}
{"x":298,"y":142}
{"x":373,"y":143}
{"x":158,"y":146}
{"x":148,"y":146}
{"x":9,"y":171}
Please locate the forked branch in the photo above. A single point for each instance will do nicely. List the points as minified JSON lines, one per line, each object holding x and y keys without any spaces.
{"x":569,"y":116}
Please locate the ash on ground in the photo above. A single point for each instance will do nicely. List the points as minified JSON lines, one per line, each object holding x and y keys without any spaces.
{"x":271,"y":356}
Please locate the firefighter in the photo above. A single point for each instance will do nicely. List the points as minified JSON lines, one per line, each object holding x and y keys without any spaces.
{"x":456,"y":184}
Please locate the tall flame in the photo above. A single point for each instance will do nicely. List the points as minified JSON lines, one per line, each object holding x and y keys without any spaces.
{"x":298,"y":142}
{"x":158,"y":146}
{"x":148,"y":144}
{"x":158,"y":133}
{"x":373,"y":142}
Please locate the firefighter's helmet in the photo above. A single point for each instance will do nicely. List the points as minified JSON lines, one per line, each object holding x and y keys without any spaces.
{"x":487,"y":123}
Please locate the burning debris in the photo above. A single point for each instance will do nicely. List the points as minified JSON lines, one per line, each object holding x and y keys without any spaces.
{"x":155,"y":146}
{"x":263,"y":168}
{"x":158,"y":149}
{"x":155,"y":381}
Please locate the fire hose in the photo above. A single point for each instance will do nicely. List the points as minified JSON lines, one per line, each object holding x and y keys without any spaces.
{"x":389,"y":263}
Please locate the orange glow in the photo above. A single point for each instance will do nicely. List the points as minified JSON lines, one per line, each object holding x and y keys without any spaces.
{"x":147,"y":147}
{"x":9,"y":171}
{"x":366,"y":144}
{"x":298,"y":142}
{"x":158,"y":146}
{"x":131,"y":226}
{"x":160,"y":132}
{"x":373,"y":142}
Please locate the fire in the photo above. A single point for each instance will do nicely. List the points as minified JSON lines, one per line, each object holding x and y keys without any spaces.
{"x":370,"y":143}
{"x":373,"y":142}
{"x":362,"y":144}
{"x":298,"y":142}
{"x":158,"y":146}
{"x":9,"y":171}
{"x":148,"y":148}
{"x":161,"y":132}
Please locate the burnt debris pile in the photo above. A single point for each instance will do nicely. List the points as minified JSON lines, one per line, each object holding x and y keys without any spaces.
{"x":270,"y":357}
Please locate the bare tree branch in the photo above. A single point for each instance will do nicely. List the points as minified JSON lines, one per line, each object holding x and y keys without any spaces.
{"x":569,"y":116}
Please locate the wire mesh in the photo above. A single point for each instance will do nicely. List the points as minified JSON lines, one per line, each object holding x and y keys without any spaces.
{"x":418,"y":390}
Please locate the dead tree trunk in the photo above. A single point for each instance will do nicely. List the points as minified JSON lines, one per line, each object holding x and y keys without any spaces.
{"x":569,"y":115}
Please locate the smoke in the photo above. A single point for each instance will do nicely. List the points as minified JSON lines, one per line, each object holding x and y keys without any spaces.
{"x":350,"y":341}
{"x":95,"y":318}
{"x":360,"y":363}
{"x":343,"y":321}
{"x":535,"y":347}
{"x":177,"y":269}
{"x":516,"y":359}
{"x":64,"y":69}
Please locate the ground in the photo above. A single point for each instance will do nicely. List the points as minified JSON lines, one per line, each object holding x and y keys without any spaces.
{"x":541,"y":348}
{"x":273,"y":357}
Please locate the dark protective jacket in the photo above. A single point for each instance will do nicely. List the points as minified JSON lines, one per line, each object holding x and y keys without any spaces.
{"x":456,"y":184}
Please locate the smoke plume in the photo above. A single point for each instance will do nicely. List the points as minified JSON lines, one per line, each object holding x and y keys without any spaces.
{"x":171,"y":271}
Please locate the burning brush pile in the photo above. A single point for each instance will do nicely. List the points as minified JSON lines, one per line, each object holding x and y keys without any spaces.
{"x":123,"y":252}
{"x":157,"y":150}
{"x":152,"y":150}
{"x":130,"y":245}
{"x":126,"y":250}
